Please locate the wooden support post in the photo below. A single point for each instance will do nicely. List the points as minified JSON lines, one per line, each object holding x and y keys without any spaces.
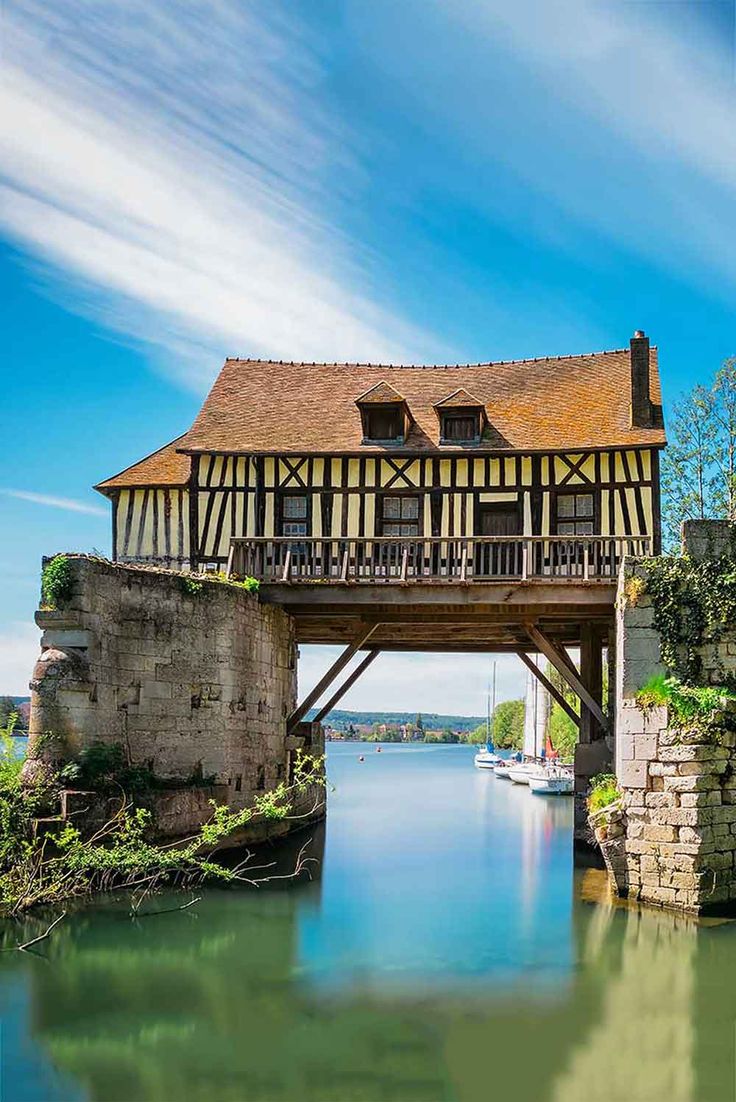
{"x":591,"y":673}
{"x":567,"y":671}
{"x":551,"y":689}
{"x":335,"y":669}
{"x":347,"y":684}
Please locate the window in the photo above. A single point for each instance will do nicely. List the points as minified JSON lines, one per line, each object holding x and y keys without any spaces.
{"x":400,"y":515}
{"x":384,"y":423}
{"x":294,"y":515}
{"x":461,"y":427}
{"x":575,"y":515}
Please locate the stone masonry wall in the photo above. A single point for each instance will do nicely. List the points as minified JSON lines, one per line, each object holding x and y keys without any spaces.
{"x":679,"y":785}
{"x":196,"y":682}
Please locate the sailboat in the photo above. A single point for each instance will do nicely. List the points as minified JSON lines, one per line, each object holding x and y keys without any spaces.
{"x":530,"y":766}
{"x":487,"y":758}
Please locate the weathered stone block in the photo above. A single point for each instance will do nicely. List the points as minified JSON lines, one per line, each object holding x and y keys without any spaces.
{"x":691,"y":784}
{"x":658,"y":833}
{"x":633,"y":774}
{"x":645,"y":746}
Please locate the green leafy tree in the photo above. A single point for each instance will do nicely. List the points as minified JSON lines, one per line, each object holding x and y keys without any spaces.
{"x":8,"y":708}
{"x":507,"y":724}
{"x":699,"y":466}
{"x":478,"y":735}
{"x":562,"y":732}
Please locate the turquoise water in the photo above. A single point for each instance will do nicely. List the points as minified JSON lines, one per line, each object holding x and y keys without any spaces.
{"x":445,"y":951}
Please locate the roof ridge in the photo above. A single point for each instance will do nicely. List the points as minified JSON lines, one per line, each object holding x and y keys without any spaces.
{"x":428,"y":367}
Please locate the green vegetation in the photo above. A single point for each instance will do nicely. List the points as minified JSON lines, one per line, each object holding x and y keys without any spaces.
{"x":693,"y":603}
{"x":507,"y":726}
{"x":9,"y":710}
{"x":451,"y":737}
{"x":562,"y":732}
{"x":699,"y":466}
{"x":604,"y":791}
{"x":57,"y":582}
{"x":687,"y":704}
{"x":38,"y":868}
{"x":193,"y":584}
{"x":344,"y":720}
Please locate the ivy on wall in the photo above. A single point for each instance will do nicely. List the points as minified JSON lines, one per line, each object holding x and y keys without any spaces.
{"x":693,"y":603}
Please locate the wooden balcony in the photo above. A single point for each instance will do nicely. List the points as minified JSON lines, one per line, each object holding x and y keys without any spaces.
{"x":433,"y":559}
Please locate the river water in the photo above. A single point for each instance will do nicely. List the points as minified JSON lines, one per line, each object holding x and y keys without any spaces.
{"x":445,"y":951}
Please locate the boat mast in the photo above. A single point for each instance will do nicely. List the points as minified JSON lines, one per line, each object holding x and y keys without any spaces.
{"x":536,"y":722}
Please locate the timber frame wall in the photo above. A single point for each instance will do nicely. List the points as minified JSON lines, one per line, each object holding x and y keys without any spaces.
{"x":240,"y":496}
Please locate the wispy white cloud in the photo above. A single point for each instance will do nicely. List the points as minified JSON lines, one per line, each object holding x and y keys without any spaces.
{"x":174,"y":159}
{"x":625,"y":120}
{"x":67,"y":503}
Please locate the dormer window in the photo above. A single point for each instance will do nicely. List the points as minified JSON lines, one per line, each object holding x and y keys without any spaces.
{"x":384,"y":414}
{"x":462,"y":418}
{"x":383,"y":423}
{"x":461,"y":427}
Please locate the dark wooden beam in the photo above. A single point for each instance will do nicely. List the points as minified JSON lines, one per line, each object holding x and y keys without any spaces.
{"x":550,"y":687}
{"x":564,"y":667}
{"x":335,"y":669}
{"x":591,"y":673}
{"x":347,"y":684}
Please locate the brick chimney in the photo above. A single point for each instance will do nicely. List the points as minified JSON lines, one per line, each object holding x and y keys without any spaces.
{"x":641,"y":407}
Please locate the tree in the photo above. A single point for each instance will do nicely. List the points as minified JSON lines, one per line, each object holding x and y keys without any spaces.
{"x":478,"y":735}
{"x":507,"y":724}
{"x":9,"y":707}
{"x":689,"y":462}
{"x":419,"y":724}
{"x":699,"y":466}
{"x":562,"y":732}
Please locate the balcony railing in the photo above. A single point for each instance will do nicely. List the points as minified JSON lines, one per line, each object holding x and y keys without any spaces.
{"x":433,"y":558}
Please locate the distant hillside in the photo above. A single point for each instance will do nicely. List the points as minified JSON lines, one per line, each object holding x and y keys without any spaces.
{"x":432,"y":720}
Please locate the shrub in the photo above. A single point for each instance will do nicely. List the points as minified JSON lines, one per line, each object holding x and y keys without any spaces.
{"x":57,"y":581}
{"x":604,"y":790}
{"x":686,"y":704}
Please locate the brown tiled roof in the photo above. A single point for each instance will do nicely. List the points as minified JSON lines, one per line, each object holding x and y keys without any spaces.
{"x":165,"y":467}
{"x":569,"y":402}
{"x":381,"y":393}
{"x":458,"y":400}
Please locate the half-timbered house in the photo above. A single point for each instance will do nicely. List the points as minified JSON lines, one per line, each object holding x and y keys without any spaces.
{"x":522,"y":469}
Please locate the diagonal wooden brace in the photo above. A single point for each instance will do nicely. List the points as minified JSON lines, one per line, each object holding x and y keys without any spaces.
{"x":347,"y":684}
{"x":566,"y":670}
{"x":551,"y":689}
{"x":324,"y":683}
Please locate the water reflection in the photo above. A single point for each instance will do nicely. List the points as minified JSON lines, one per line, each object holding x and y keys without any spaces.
{"x":447,"y":955}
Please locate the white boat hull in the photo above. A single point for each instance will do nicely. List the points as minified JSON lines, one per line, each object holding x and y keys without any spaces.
{"x":502,"y":771}
{"x":552,"y":786}
{"x":521,"y":774}
{"x":484,"y":760}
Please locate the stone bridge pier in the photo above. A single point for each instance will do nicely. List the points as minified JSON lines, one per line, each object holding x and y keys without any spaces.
{"x":672,"y":841}
{"x":192,"y":679}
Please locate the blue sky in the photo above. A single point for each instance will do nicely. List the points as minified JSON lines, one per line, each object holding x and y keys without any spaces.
{"x":421,"y":181}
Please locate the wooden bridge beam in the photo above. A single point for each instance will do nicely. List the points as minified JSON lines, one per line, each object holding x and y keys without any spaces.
{"x":550,"y":687}
{"x":335,"y":669}
{"x":347,"y":684}
{"x":564,"y":666}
